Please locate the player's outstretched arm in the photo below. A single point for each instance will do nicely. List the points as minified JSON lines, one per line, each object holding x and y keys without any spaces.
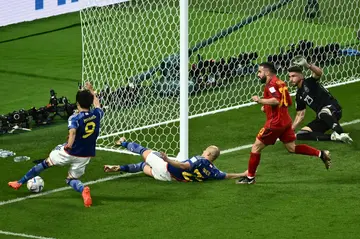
{"x":317,"y":72}
{"x":176,"y":164}
{"x":96,"y":101}
{"x":235,"y":175}
{"x":300,"y":115}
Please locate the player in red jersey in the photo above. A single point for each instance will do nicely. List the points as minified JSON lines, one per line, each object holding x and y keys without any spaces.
{"x":278,"y":124}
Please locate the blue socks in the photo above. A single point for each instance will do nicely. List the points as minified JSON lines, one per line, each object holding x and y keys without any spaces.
{"x":75,"y":184}
{"x":133,"y":168}
{"x":134,"y":147}
{"x":37,"y":169}
{"x":34,"y":171}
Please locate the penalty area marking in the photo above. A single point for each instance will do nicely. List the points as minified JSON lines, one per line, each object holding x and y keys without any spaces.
{"x":128,"y":174}
{"x":24,"y":235}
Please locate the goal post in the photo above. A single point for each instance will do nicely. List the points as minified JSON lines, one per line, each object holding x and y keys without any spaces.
{"x":146,"y":68}
{"x":184,"y":78}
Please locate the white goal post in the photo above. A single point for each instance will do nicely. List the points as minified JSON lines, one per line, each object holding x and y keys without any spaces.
{"x":158,"y":63}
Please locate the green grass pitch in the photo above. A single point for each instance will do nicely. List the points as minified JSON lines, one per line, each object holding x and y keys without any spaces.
{"x":295,"y":196}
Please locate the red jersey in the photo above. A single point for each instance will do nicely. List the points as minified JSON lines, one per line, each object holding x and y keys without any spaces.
{"x":277,"y":116}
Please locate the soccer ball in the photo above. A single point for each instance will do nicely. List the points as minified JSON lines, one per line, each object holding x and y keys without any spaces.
{"x":35,"y":185}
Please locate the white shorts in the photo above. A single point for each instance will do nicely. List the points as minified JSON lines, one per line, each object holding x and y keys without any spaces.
{"x":77,"y":164}
{"x":158,"y":167}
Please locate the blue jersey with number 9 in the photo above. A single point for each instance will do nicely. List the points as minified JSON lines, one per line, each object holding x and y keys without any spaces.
{"x":87,"y":125}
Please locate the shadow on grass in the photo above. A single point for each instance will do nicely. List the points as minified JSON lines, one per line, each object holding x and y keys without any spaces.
{"x":38,"y":76}
{"x":343,"y":180}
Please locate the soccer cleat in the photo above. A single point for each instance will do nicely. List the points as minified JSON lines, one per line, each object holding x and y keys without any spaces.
{"x":343,"y":137}
{"x":346,"y":138}
{"x":15,"y":185}
{"x":335,"y":136}
{"x":246,"y":180}
{"x":112,"y":168}
{"x":87,"y":197}
{"x":120,"y":141}
{"x":325,"y":157}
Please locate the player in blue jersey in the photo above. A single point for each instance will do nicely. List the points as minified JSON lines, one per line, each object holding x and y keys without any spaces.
{"x":159,"y":166}
{"x":83,"y":129}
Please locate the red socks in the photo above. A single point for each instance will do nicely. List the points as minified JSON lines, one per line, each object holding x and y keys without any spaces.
{"x":253,"y":164}
{"x":307,"y":150}
{"x":299,"y":149}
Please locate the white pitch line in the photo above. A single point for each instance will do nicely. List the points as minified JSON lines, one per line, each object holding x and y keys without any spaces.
{"x":24,"y":235}
{"x":350,"y":122}
{"x":64,"y":188}
{"x":247,"y":146}
{"x":129,"y":174}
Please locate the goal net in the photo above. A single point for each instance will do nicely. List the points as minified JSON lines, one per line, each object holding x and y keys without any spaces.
{"x":131,"y":55}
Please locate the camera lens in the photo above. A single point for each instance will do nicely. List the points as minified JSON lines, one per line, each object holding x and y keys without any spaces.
{"x":16,"y":116}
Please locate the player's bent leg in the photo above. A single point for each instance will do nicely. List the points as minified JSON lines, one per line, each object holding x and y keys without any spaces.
{"x":146,"y":153}
{"x":148,"y":171}
{"x":75,"y":183}
{"x":288,"y":138}
{"x":255,"y":155}
{"x":316,"y":130}
{"x":290,"y":146}
{"x":304,"y":135}
{"x":34,"y":171}
{"x":76,"y":170}
{"x":307,"y":128}
{"x":128,"y":168}
{"x":57,"y":157}
{"x":158,"y":167}
{"x":131,"y":146}
{"x":304,"y":149}
{"x":258,"y":146}
{"x":313,"y":136}
{"x":78,"y":186}
{"x":326,"y":115}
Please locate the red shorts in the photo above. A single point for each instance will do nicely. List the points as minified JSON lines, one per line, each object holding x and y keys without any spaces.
{"x":269,"y":136}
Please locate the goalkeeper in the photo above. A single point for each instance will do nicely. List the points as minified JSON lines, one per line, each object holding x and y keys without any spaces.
{"x":311,"y":93}
{"x":160,"y":167}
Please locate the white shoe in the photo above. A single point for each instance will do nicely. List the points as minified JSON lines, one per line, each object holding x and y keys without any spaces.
{"x":344,"y":137}
{"x":111,"y":168}
{"x":335,"y":136}
{"x":120,"y":141}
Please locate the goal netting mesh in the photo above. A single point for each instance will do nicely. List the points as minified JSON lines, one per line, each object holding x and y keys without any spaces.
{"x":131,"y":55}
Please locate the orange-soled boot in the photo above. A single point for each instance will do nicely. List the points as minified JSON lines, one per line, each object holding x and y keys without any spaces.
{"x":87,"y":197}
{"x":15,"y":185}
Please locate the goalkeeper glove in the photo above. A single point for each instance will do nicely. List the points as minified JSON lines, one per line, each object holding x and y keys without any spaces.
{"x":300,"y":61}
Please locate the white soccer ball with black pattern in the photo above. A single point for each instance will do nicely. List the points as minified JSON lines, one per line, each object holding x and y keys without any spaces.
{"x":35,"y":185}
